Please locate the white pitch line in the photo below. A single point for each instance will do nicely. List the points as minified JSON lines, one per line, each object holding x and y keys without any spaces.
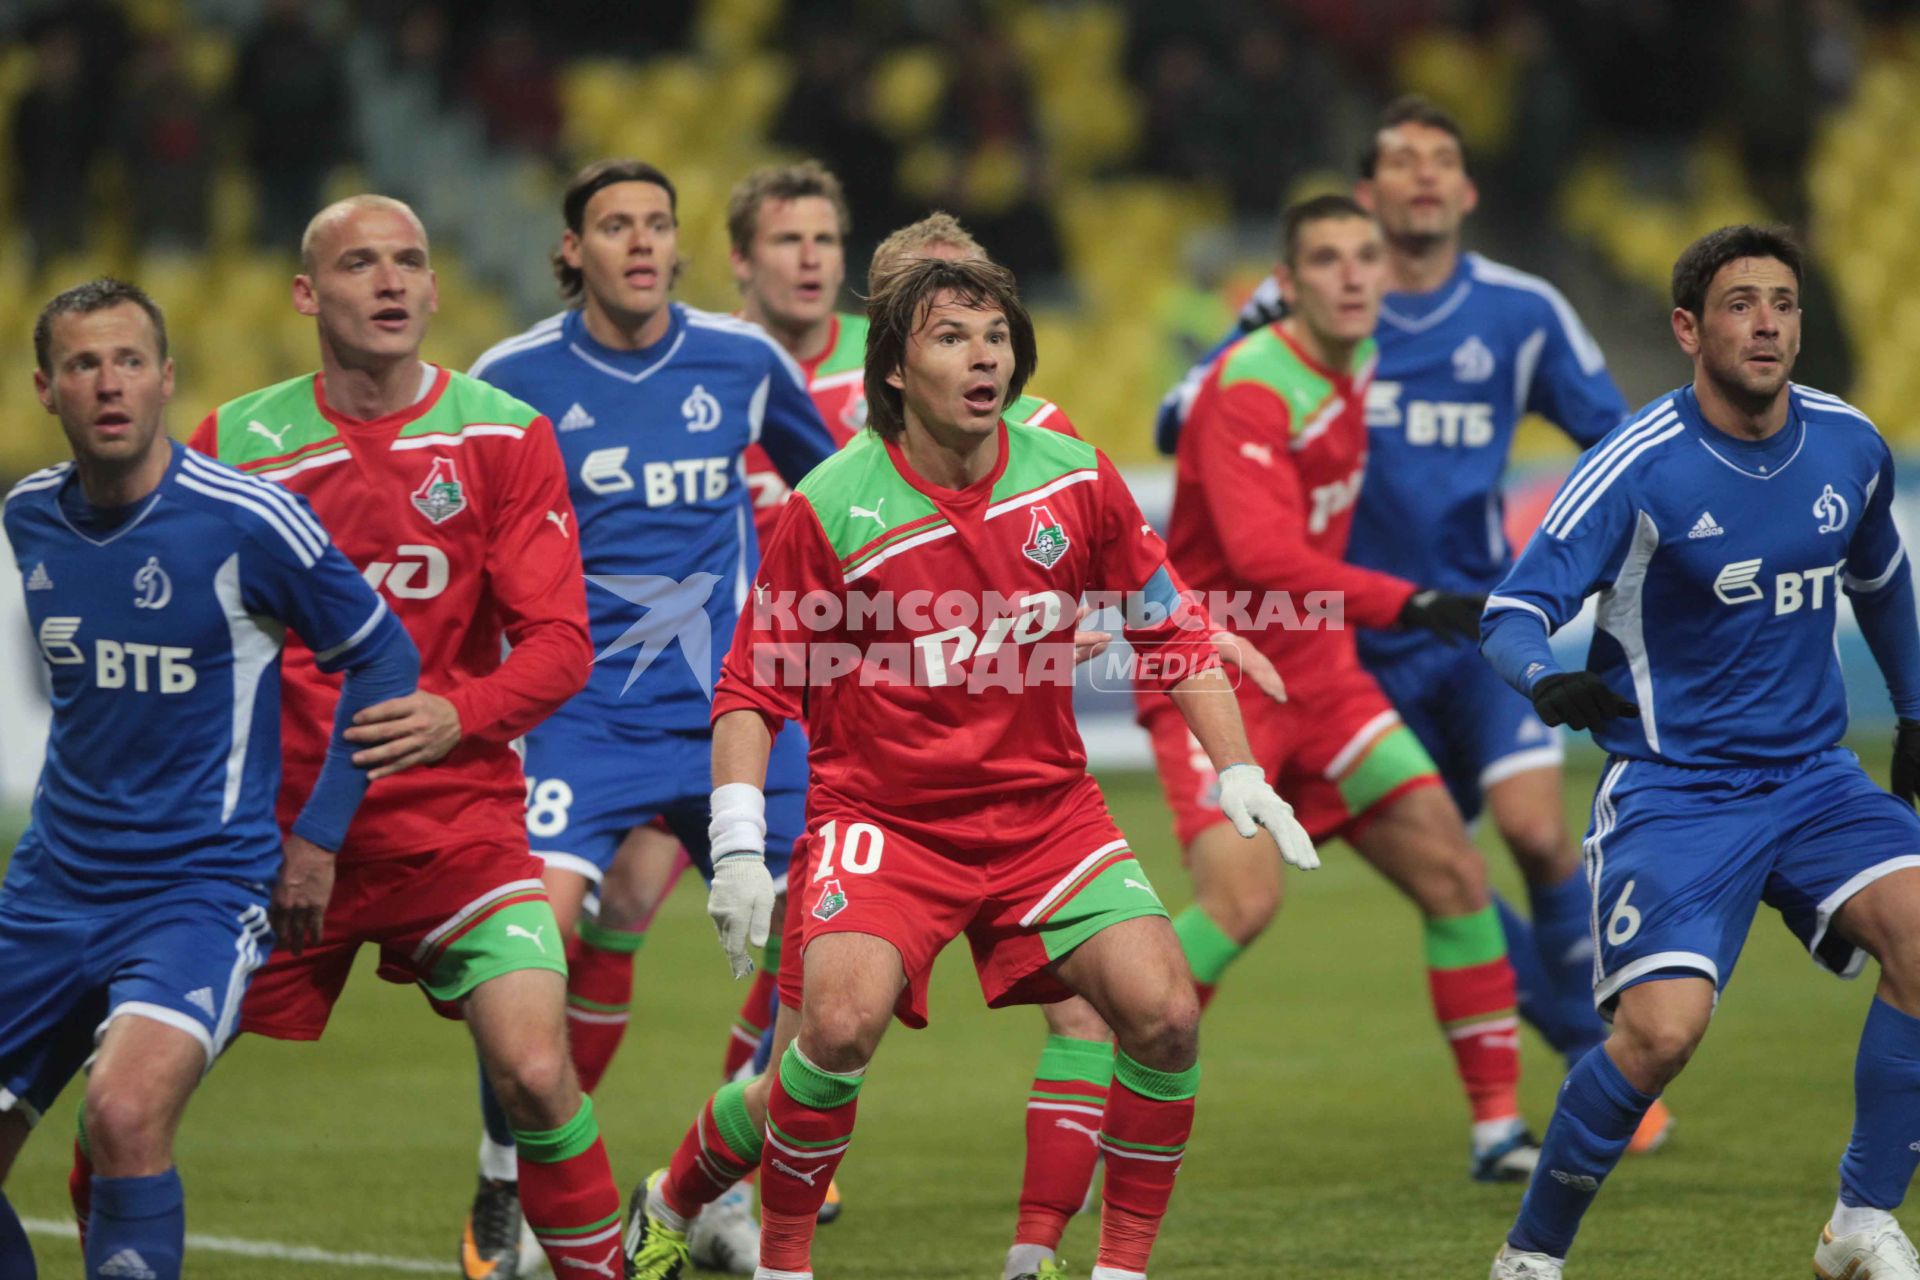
{"x":265,"y":1249}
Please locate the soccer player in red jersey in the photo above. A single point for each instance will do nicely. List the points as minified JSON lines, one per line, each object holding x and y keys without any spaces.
{"x":451,"y":497}
{"x":1268,"y":469}
{"x":949,"y":791}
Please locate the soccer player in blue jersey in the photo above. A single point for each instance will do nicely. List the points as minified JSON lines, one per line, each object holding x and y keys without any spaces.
{"x":1467,"y":346}
{"x":655,"y":404}
{"x":1718,"y":527}
{"x":152,"y":880}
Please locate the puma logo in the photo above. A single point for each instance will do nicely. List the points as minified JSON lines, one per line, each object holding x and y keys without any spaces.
{"x":559,"y":519}
{"x":1074,"y":1126}
{"x":861,"y":513}
{"x":515,"y":931}
{"x":791,"y":1172}
{"x":1131,"y":883}
{"x":604,"y":1267}
{"x":279,"y":437}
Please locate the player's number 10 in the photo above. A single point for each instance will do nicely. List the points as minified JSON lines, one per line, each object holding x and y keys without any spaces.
{"x":860,"y":857}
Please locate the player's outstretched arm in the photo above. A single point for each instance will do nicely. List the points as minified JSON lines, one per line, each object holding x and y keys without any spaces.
{"x":1212,"y":712}
{"x":740,"y":899}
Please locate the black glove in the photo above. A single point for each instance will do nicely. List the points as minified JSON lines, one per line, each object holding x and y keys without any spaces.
{"x":1444,"y":613}
{"x":1906,"y":761}
{"x":1581,"y":700}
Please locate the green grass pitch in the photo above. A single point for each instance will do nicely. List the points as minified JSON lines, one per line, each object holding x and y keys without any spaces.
{"x":1330,"y":1140}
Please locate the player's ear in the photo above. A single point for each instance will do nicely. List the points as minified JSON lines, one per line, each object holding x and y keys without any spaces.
{"x":896,"y":379}
{"x":1686,"y":330}
{"x":1283,"y":276}
{"x":304,"y":300}
{"x":166,"y":380}
{"x":1472,"y":199}
{"x":570,"y":248}
{"x":742,"y":268}
{"x":433,"y":293}
{"x":1363,"y":195}
{"x":43,"y":387}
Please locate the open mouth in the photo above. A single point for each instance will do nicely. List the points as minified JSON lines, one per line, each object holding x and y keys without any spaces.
{"x":113,"y":419}
{"x":642,"y":277}
{"x":809,"y":290}
{"x":982,"y":397}
{"x":391,"y":319}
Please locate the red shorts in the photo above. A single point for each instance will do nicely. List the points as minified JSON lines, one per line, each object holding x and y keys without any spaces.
{"x":428,"y":912}
{"x":1335,"y":750}
{"x":1026,"y":879}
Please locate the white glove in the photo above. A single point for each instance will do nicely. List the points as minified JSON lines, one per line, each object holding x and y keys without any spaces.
{"x":1249,"y":803}
{"x":740,"y":899}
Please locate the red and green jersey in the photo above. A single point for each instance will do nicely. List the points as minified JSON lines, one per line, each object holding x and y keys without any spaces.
{"x":924,"y":635}
{"x":456,"y":510}
{"x":1267,"y":471}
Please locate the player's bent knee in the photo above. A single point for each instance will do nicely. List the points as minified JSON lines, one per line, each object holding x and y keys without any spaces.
{"x":1654,"y":1050}
{"x":838,"y":1036}
{"x":1076,"y":1018}
{"x":128,"y":1128}
{"x":536,"y":1087}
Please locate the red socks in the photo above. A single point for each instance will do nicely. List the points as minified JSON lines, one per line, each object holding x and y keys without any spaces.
{"x":599,"y":996}
{"x":721,"y":1148}
{"x":1144,"y":1135}
{"x":1063,"y":1135}
{"x":1472,"y":985}
{"x":568,"y":1195}
{"x":809,"y":1124}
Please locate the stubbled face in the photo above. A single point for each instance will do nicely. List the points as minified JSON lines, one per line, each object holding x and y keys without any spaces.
{"x":1420,"y":190}
{"x":108,"y":386}
{"x":1336,"y":279}
{"x":626,"y":251}
{"x":371,"y":288}
{"x":1748,"y":333}
{"x":793,"y":269}
{"x":958,"y":365}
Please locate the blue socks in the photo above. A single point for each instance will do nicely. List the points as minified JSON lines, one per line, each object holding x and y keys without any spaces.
{"x":492,"y":1115}
{"x":1591,"y":1127}
{"x":1552,"y":971}
{"x":138,"y":1226}
{"x":16,"y":1255}
{"x":1563,"y":936}
{"x":1879,"y":1162}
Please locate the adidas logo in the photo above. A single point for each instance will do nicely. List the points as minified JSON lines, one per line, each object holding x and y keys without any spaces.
{"x":202,"y":1000}
{"x":40,"y":579}
{"x":575,"y":419}
{"x":1704,"y":527}
{"x":127,"y":1265}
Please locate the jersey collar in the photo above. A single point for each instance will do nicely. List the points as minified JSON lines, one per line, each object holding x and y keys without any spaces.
{"x":1418,"y":312}
{"x":1760,"y":459}
{"x":386,"y":423}
{"x":979,"y":491}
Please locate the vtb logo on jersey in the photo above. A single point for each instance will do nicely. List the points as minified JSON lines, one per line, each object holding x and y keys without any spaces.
{"x":440,"y":496}
{"x":1739,"y":583}
{"x":700,"y":409}
{"x":1046,"y":538}
{"x":152,"y":589}
{"x":1832,"y":510}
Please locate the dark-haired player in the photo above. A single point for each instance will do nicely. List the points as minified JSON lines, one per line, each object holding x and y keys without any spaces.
{"x":1718,"y":527}
{"x":142,"y":896}
{"x":656,"y":405}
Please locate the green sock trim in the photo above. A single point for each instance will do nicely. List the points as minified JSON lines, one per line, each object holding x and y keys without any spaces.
{"x":568,"y":1233}
{"x":595,"y":1006}
{"x":1161,"y":1086}
{"x":621,"y":941}
{"x":1459,"y":942}
{"x":770,"y":958}
{"x":553,"y":1146}
{"x":736,"y":1126}
{"x":1209,"y":949}
{"x":811,"y":1087}
{"x":1065,"y":1058}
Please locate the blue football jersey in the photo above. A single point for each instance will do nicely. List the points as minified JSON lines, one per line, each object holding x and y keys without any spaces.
{"x":161,"y":626}
{"x":1459,"y":368}
{"x":1718,"y":563}
{"x":654,"y":442}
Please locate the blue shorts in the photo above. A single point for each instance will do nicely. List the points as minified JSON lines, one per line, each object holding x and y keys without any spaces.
{"x":1476,"y":726}
{"x":182,"y":957}
{"x":1680,"y":858}
{"x":586,"y":792}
